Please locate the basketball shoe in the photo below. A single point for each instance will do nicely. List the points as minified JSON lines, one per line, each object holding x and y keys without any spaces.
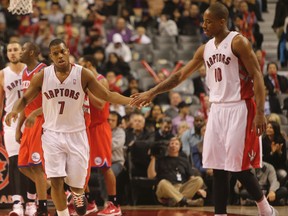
{"x":17,"y":210}
{"x":30,"y":208}
{"x":110,"y":210}
{"x":91,"y":207}
{"x":80,"y":203}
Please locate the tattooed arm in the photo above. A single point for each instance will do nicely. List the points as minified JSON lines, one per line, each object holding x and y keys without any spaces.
{"x":143,"y":99}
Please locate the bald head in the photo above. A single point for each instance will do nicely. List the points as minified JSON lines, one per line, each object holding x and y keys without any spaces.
{"x":219,"y":11}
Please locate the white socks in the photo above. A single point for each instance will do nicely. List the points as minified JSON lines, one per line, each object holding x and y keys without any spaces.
{"x":264,"y":207}
{"x":65,"y":212}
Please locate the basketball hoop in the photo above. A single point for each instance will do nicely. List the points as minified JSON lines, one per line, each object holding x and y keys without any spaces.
{"x":20,"y":7}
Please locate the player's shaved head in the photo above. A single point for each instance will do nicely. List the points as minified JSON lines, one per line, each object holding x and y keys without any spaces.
{"x":219,"y":11}
{"x":33,"y":47}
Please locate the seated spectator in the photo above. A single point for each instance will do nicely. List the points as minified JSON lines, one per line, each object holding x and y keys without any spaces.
{"x":99,"y":56}
{"x":165,"y":130}
{"x":122,"y":30}
{"x":153,"y":117}
{"x":56,"y":14}
{"x":274,"y":82}
{"x":133,"y":83}
{"x":183,"y":115}
{"x":69,"y":33}
{"x":248,"y":21}
{"x":175,"y":99}
{"x":140,"y":37}
{"x":138,"y":141}
{"x":192,"y":137}
{"x":274,"y":150}
{"x":276,"y":194}
{"x":116,"y":83}
{"x":115,"y":63}
{"x":119,"y":47}
{"x":176,"y":183}
{"x":93,"y":44}
{"x":118,"y":141}
{"x":167,"y":27}
{"x":190,"y":21}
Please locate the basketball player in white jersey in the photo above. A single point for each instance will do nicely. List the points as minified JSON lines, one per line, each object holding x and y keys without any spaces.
{"x":10,"y":90}
{"x":64,"y":140}
{"x":233,"y":77}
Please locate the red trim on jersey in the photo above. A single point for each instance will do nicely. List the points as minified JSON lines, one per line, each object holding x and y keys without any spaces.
{"x":246,"y":82}
{"x":252,"y":151}
{"x":36,"y":69}
{"x":26,"y":78}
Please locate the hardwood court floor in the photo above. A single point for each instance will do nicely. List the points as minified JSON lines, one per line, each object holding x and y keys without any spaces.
{"x":164,"y":211}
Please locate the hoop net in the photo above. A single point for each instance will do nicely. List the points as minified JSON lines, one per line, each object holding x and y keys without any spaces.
{"x":20,"y":7}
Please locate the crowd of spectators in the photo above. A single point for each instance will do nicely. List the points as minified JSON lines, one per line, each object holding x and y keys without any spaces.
{"x":120,"y":35}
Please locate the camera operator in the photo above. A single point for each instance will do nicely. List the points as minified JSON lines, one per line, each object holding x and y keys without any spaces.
{"x":176,"y":183}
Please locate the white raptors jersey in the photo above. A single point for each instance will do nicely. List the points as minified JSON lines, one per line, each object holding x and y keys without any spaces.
{"x":226,"y":78}
{"x":12,"y":87}
{"x":63,"y":102}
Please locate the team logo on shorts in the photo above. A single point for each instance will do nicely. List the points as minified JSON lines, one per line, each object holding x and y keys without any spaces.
{"x":98,"y":161}
{"x":252,"y":155}
{"x":4,"y":173}
{"x":36,"y":157}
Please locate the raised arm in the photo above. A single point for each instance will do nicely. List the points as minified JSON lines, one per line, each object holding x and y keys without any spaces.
{"x":243,"y":50}
{"x":90,"y":83}
{"x":32,"y":91}
{"x":143,"y":99}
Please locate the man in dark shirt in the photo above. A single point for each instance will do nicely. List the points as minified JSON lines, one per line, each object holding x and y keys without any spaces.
{"x":176,"y":183}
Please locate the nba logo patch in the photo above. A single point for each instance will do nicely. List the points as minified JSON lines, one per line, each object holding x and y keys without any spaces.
{"x":74,"y":81}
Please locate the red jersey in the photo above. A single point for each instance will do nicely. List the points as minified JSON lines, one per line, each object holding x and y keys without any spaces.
{"x":99,"y":116}
{"x":26,"y":78}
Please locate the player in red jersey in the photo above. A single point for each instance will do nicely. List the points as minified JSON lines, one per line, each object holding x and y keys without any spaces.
{"x":101,"y":141}
{"x":30,"y":154}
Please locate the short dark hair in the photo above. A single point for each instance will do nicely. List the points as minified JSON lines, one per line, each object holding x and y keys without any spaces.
{"x":34,"y":47}
{"x":272,"y":63}
{"x":119,"y":117}
{"x":56,"y":42}
{"x":219,"y":10}
{"x":91,"y":59}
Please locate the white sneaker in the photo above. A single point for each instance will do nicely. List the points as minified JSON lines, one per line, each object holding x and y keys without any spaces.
{"x":17,"y":210}
{"x":30,"y":209}
{"x":274,"y":212}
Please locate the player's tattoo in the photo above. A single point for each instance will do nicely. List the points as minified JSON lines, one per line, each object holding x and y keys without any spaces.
{"x":168,"y":84}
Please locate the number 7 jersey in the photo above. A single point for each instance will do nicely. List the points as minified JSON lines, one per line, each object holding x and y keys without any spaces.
{"x":63,"y":101}
{"x":226,"y":76}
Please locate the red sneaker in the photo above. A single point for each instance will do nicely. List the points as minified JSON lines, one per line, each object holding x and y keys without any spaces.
{"x":91,"y":207}
{"x":110,"y":210}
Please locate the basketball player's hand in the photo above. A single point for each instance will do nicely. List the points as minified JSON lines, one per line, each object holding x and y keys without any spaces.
{"x":271,"y":196}
{"x":141,"y":99}
{"x":259,"y":124}
{"x":30,"y":120}
{"x":11,"y":116}
{"x":18,"y":135}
